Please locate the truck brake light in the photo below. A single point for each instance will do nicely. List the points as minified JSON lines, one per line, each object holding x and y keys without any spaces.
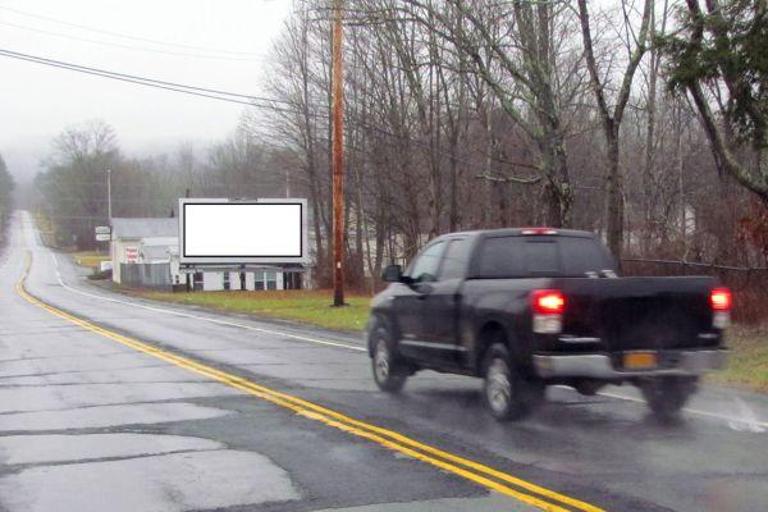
{"x":539,"y":231}
{"x":548,"y":307}
{"x":548,"y":302}
{"x":720,"y":299}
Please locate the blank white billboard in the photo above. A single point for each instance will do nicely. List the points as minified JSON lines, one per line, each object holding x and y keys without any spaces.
{"x":222,"y":231}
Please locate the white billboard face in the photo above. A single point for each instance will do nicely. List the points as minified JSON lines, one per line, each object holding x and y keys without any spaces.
{"x":264,"y":231}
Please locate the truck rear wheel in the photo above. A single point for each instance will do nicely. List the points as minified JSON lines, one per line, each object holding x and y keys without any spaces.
{"x":389,"y":373}
{"x":666,"y":396}
{"x":507,"y":394}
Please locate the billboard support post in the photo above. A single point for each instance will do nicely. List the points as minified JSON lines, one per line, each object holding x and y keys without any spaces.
{"x":338,"y":158}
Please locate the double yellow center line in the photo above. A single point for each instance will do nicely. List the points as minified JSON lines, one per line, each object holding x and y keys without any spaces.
{"x":485,"y":476}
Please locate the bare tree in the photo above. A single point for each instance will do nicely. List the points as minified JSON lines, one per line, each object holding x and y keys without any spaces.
{"x":510,"y":47}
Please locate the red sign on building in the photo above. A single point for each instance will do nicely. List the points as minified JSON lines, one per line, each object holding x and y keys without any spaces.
{"x":131,"y":255}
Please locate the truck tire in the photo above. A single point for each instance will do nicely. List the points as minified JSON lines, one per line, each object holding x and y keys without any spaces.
{"x":666,"y":396}
{"x":389,"y":372}
{"x":507,"y":394}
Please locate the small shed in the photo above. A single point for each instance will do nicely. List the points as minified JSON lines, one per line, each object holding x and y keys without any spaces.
{"x":145,"y":241}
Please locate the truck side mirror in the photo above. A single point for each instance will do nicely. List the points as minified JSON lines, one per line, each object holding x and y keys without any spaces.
{"x":392,"y":274}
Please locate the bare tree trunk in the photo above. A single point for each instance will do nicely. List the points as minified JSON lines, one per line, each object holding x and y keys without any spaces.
{"x":612,"y":118}
{"x":614,"y":194}
{"x":648,"y":161}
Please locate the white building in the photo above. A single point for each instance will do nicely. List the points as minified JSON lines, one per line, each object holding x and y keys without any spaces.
{"x":152,"y":245}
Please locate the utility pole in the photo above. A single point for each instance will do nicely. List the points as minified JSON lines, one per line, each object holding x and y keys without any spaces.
{"x":337,"y":87}
{"x":109,"y":196}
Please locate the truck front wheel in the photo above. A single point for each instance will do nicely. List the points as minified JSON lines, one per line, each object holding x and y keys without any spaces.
{"x":507,"y":394}
{"x":666,"y":396}
{"x":388,"y":372}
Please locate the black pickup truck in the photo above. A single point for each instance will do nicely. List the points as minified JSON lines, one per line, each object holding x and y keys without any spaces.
{"x":530,"y":307}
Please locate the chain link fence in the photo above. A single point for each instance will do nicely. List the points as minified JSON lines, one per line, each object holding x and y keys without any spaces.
{"x":749,"y":284}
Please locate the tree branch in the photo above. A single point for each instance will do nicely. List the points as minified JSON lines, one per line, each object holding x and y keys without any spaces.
{"x":508,"y":179}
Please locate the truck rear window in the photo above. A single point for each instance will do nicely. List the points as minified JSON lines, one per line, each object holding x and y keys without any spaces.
{"x":516,"y":256}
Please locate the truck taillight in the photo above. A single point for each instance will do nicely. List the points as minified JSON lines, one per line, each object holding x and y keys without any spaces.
{"x":721,"y":301}
{"x":548,"y":302}
{"x":548,"y":307}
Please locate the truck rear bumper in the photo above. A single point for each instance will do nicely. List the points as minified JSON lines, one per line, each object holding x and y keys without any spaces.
{"x":599,"y":366}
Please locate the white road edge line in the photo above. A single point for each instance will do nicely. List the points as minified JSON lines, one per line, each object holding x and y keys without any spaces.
{"x":338,"y":345}
{"x":692,"y":411}
{"x":200,"y":317}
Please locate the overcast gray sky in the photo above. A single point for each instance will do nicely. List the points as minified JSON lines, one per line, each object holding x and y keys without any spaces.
{"x":231,"y":38}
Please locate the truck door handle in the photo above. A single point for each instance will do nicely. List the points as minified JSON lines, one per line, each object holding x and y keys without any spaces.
{"x":424,"y":290}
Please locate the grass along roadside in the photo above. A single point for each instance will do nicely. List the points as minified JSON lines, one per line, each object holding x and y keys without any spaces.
{"x":306,"y":306}
{"x":748,"y":362}
{"x":89,"y":259}
{"x":747,"y":368}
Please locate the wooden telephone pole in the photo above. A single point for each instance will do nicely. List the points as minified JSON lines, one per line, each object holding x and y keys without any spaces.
{"x":337,"y":87}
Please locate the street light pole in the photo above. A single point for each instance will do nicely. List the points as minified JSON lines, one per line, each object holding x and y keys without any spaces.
{"x":338,"y":156}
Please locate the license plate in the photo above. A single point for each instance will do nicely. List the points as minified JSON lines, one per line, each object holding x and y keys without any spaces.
{"x":640,"y":360}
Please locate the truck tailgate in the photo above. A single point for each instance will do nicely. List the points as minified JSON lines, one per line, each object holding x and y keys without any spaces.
{"x":640,"y":313}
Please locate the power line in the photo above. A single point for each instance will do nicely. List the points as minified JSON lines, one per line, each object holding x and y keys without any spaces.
{"x":125,"y":36}
{"x":124,"y":46}
{"x":11,"y":53}
{"x":138,"y":82}
{"x":149,"y":82}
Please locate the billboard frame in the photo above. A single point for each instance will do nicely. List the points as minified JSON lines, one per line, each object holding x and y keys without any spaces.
{"x":241,"y":261}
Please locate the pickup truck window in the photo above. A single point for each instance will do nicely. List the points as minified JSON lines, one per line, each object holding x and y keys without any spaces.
{"x":515,"y":256}
{"x":582,"y":255}
{"x":541,"y":257}
{"x":424,"y":268}
{"x":455,"y":259}
{"x":501,"y":257}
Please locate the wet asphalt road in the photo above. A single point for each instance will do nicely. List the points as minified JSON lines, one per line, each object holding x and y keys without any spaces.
{"x":89,"y":424}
